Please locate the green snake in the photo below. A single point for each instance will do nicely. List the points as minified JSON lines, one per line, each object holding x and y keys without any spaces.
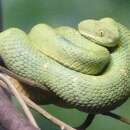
{"x":88,"y":68}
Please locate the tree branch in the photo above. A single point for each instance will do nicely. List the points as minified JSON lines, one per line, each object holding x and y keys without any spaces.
{"x":87,"y":122}
{"x":53,"y":119}
{"x":7,"y":80}
{"x":118,"y":117}
{"x":10,"y":119}
{"x":30,"y":103}
{"x":47,"y":115}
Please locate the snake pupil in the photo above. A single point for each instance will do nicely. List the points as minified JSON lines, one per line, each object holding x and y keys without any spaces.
{"x":101,"y":33}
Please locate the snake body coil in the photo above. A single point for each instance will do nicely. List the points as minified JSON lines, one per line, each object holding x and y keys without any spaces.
{"x":91,"y":93}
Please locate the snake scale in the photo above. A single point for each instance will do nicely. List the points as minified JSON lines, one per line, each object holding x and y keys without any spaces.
{"x":88,"y":68}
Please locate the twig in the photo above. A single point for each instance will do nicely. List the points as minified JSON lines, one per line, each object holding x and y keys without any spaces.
{"x":61,"y":124}
{"x":87,"y":122}
{"x":53,"y":119}
{"x":10,"y":119}
{"x":32,"y":83}
{"x":118,"y":117}
{"x":18,"y":96}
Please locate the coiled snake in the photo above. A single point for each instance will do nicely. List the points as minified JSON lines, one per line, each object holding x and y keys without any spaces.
{"x":88,"y":68}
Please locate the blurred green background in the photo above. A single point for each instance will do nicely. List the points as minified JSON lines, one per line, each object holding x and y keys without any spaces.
{"x":26,"y":13}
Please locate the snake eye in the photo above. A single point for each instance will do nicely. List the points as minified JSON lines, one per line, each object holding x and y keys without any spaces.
{"x":101,"y":33}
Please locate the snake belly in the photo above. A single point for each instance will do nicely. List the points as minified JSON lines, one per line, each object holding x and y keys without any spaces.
{"x":89,"y":93}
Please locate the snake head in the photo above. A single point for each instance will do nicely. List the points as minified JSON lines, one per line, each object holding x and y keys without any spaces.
{"x":104,"y":31}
